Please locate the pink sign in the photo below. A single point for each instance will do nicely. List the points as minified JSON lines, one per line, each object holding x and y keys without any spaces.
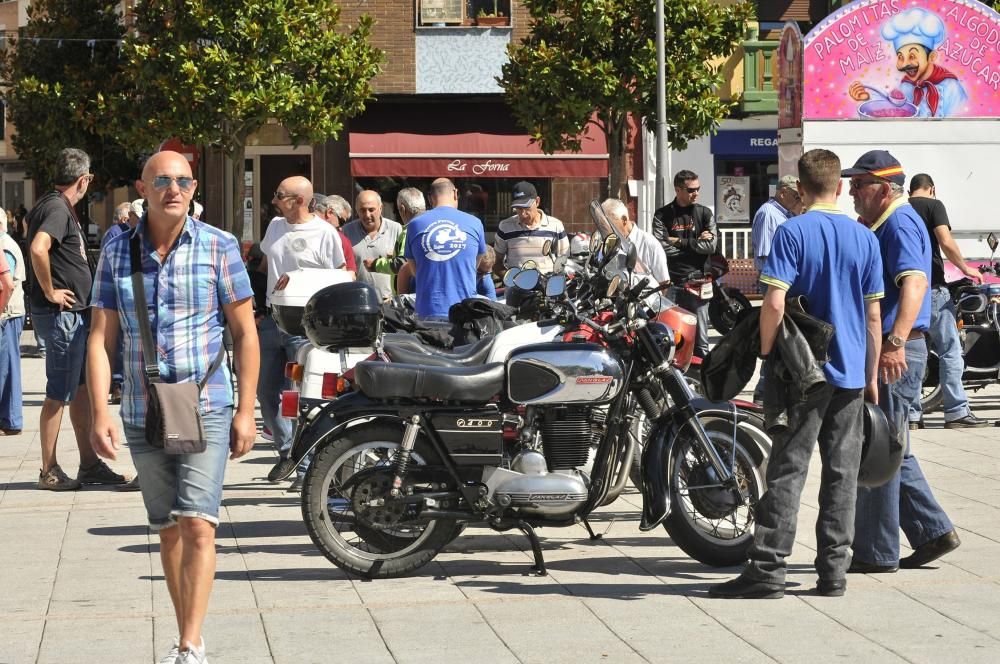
{"x":877,"y":59}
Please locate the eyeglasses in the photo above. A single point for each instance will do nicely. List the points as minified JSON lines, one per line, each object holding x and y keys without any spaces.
{"x":857,"y":184}
{"x":161,"y":182}
{"x":281,"y":195}
{"x":89,"y":177}
{"x":691,"y":190}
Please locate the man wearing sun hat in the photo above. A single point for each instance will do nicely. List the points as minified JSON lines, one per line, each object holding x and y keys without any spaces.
{"x":522,"y":236}
{"x":906,"y":501}
{"x":915,"y":36}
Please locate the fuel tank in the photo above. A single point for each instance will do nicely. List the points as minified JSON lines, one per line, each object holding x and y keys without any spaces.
{"x":563,"y":373}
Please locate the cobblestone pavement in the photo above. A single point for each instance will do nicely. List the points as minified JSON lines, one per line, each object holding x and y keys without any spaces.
{"x":81,"y":581}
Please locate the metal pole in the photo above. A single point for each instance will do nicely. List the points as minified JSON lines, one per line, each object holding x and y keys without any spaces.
{"x":661,"y":110}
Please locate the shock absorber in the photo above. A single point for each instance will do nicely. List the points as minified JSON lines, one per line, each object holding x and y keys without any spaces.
{"x":648,"y":403}
{"x":405,"y":450}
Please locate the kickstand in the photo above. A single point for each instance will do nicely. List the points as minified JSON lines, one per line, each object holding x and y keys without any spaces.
{"x":593,"y":535}
{"x":536,"y":547}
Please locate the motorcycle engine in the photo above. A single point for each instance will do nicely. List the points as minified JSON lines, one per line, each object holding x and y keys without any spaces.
{"x":551,"y":484}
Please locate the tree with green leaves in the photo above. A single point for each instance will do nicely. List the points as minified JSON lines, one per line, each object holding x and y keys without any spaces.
{"x":595,"y":61}
{"x":212,"y":72}
{"x":65,"y":60}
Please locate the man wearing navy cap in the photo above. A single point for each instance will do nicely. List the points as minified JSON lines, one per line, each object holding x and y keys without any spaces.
{"x":523,"y":236}
{"x":906,"y":500}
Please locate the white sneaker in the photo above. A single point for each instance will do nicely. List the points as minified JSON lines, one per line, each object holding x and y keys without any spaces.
{"x":193,"y":655}
{"x":171,"y":657}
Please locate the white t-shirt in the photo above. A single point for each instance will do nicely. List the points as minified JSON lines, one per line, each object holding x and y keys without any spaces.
{"x":288,"y":247}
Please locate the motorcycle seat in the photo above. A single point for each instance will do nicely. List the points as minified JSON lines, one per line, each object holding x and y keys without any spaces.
{"x":410,"y":351}
{"x":477,"y":384}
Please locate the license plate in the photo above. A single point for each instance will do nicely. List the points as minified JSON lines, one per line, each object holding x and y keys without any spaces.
{"x":706,"y":291}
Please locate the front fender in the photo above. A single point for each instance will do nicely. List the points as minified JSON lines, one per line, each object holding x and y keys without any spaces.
{"x":332,"y":418}
{"x":660,"y":444}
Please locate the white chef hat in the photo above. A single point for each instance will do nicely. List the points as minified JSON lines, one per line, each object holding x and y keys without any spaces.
{"x":914,"y":26}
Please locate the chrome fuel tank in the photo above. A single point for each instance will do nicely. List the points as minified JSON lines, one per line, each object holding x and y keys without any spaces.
{"x":563,"y":373}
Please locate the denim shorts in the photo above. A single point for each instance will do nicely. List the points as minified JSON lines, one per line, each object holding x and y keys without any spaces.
{"x":182,"y":484}
{"x":65,"y":334}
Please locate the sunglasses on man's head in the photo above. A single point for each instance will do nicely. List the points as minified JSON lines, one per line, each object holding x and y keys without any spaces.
{"x":282,"y":195}
{"x":161,"y":182}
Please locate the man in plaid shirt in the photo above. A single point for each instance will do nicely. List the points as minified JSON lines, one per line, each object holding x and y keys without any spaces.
{"x":196,"y":283}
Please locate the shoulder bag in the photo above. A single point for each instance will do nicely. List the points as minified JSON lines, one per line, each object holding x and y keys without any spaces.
{"x":173,"y":410}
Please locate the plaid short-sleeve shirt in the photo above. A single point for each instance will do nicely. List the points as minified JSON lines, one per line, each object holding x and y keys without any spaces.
{"x":185,"y":295}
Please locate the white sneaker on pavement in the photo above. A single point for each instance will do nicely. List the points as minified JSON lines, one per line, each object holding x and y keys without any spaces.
{"x":193,"y":654}
{"x":171,"y":657}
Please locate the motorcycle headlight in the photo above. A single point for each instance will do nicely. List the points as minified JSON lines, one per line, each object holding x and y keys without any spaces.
{"x":664,"y":338}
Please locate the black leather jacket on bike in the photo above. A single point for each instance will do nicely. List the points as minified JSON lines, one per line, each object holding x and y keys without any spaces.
{"x":686,"y":224}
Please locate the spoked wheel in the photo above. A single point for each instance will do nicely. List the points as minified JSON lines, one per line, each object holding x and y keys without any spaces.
{"x":931,"y":395}
{"x":707,"y":521}
{"x":724,"y":315}
{"x":350,"y":514}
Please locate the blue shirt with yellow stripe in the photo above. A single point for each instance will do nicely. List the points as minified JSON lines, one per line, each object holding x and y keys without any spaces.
{"x":906,"y":249}
{"x":835,"y":263}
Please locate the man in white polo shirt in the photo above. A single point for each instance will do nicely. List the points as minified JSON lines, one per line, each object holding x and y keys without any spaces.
{"x":522,"y":236}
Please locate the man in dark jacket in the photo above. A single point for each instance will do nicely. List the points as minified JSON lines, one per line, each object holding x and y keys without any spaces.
{"x":833,"y":262}
{"x":687,"y":232}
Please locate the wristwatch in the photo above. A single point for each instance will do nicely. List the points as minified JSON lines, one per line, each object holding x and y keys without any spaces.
{"x":896,"y":340}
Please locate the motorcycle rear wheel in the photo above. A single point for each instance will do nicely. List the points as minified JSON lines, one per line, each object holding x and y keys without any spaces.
{"x":705,"y":522}
{"x":931,"y":395}
{"x":336,"y":529}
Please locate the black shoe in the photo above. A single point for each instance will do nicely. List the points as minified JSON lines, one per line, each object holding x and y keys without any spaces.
{"x":917,"y":425}
{"x":931,"y":551}
{"x":296,"y":485}
{"x":743,"y":588}
{"x":831,"y":587}
{"x":281,"y":470}
{"x":861,"y":567}
{"x":970,"y":421}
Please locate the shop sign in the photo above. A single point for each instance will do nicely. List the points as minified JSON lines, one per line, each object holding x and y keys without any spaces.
{"x":876,"y":59}
{"x":484,"y":167}
{"x":732,"y":194}
{"x":746,"y":143}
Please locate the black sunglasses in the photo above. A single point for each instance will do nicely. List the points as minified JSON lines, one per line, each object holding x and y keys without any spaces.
{"x":280,"y":195}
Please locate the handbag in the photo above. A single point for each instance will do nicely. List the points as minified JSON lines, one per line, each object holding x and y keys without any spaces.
{"x":173,"y":410}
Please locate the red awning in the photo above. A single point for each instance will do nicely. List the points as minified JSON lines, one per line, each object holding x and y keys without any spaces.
{"x":461,"y":140}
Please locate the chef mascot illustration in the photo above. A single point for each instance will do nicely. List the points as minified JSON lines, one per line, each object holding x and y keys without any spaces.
{"x":915,"y":35}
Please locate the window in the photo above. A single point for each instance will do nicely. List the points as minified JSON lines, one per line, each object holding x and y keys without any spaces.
{"x":443,"y":13}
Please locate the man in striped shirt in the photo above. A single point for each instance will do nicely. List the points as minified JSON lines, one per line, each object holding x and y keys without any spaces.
{"x":522,"y":236}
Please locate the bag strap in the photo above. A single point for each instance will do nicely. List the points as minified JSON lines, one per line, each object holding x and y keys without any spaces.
{"x":151,"y":368}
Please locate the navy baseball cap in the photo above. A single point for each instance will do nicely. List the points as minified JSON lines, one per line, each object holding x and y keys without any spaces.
{"x":524,"y":195}
{"x":879,"y":163}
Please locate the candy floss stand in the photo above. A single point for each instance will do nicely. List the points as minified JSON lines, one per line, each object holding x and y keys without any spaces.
{"x":942,"y":116}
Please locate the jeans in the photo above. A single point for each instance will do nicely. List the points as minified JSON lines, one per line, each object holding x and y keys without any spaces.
{"x":699,"y":308}
{"x":176,"y":485}
{"x":951,"y":364}
{"x":276,"y":348}
{"x":10,"y":374}
{"x":65,"y":334}
{"x":832,"y":417}
{"x":906,"y":500}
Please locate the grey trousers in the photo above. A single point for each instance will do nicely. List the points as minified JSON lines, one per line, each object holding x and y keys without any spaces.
{"x":833,"y":417}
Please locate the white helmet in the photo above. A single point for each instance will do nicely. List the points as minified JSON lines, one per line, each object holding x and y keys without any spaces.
{"x":579,"y":244}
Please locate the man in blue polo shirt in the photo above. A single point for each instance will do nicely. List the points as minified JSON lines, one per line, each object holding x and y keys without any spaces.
{"x":443,"y":247}
{"x":906,"y":500}
{"x":834,"y":262}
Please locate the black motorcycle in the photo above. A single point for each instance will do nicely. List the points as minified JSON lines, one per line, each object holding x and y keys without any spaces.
{"x":417,"y":452}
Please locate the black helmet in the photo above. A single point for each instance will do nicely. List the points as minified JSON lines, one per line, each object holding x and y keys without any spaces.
{"x":881,"y":450}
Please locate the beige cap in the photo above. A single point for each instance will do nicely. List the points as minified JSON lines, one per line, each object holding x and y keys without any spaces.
{"x":136,"y":207}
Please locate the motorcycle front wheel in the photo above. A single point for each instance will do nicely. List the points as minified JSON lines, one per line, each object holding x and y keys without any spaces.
{"x":349,"y":514}
{"x":706,"y":520}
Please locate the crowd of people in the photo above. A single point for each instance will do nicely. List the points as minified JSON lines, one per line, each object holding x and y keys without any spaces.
{"x":879,"y":282}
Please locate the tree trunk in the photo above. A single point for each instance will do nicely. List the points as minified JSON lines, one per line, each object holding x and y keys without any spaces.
{"x":237,"y":188}
{"x":615,"y":137}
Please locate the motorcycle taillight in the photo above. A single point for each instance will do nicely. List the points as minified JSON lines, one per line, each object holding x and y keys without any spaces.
{"x":290,"y":404}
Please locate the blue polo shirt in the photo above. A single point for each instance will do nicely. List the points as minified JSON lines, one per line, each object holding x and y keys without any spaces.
{"x":906,"y":249}
{"x":834,"y":262}
{"x":445,"y":244}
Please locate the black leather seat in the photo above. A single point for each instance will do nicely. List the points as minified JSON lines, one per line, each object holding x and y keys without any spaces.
{"x":381,"y":380}
{"x":411,"y":351}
